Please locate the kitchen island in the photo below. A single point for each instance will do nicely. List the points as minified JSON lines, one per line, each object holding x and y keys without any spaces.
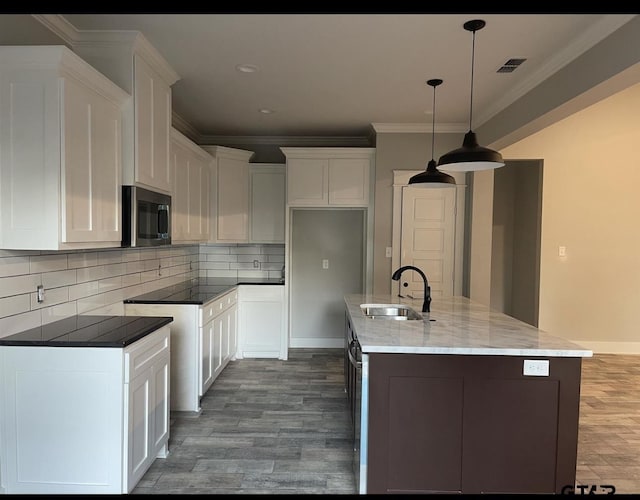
{"x":84,"y":404}
{"x":463,"y":400}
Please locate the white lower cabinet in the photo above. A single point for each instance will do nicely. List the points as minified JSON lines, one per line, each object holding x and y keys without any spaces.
{"x":80,"y":420}
{"x":261,"y":332}
{"x":197,"y":354}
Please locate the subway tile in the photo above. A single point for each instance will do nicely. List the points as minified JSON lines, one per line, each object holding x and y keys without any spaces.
{"x":90,"y":303}
{"x":250,"y":257}
{"x":275,"y":258}
{"x":113,"y":309}
{"x":130,"y":279}
{"x":14,"y":266}
{"x":219,"y":273}
{"x":134,"y":266}
{"x":130,"y":254}
{"x":109,"y":257}
{"x":273,"y":249}
{"x":52,"y":297}
{"x":275,"y":274}
{"x":111,"y":283}
{"x":46,"y":263}
{"x":54,"y":313}
{"x":148,"y":276}
{"x":214,"y":265}
{"x":147,"y":253}
{"x":55,"y":279}
{"x":162,"y":253}
{"x":90,"y":274}
{"x":112,"y":296}
{"x":15,"y":304}
{"x":19,"y":323}
{"x":241,"y":265}
{"x":16,"y":285}
{"x":150,"y":264}
{"x":219,"y":249}
{"x":82,"y":290}
{"x":114,"y":270}
{"x":252,"y":249}
{"x":84,"y":259}
{"x":215,"y":257}
{"x":271,"y":266}
{"x":133,"y":291}
{"x":252,"y":274}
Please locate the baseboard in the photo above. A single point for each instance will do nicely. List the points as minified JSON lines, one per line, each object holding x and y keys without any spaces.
{"x":311,"y":343}
{"x":610,"y":347}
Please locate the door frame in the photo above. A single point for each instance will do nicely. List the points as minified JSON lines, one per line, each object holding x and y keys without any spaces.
{"x":401,"y":180}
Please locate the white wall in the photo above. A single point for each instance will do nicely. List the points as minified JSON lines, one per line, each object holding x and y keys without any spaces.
{"x":590,"y":205}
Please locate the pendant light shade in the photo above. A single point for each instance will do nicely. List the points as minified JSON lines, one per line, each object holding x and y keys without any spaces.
{"x":432,"y":177}
{"x":471,"y":156}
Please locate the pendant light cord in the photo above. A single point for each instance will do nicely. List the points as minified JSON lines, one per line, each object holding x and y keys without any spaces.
{"x":433,"y":122}
{"x":473,"y":57}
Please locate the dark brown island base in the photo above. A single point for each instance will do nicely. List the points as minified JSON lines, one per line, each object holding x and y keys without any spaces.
{"x":463,"y":400}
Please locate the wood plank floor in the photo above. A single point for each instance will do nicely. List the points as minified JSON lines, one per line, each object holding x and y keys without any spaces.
{"x":282,"y":427}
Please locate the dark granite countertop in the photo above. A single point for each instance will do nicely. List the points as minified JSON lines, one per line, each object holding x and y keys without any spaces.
{"x":198,"y":290}
{"x":88,"y":331}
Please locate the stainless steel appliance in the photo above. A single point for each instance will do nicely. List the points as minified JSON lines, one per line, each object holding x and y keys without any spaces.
{"x":354,"y":383}
{"x":146,"y":217}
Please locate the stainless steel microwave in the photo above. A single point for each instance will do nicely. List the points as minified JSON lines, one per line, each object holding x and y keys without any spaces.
{"x":146,"y":217}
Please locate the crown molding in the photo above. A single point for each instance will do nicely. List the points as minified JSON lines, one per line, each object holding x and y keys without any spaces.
{"x":184,"y":127}
{"x":237,"y":154}
{"x":418,"y":128}
{"x":309,"y":141}
{"x":59,"y":26}
{"x":599,"y":31}
{"x":334,"y":152}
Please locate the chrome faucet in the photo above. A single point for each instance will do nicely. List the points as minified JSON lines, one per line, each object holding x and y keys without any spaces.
{"x":426,"y":305}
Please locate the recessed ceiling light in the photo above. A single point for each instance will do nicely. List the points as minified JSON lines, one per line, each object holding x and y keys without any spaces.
{"x":266,"y":111}
{"x":247,"y":68}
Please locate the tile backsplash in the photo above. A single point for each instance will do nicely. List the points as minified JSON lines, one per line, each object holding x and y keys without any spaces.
{"x":238,"y":260}
{"x":84,"y":281}
{"x":97,"y":281}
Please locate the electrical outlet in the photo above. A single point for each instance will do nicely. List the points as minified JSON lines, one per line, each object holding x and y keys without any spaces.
{"x":325,"y":263}
{"x":536,"y":367}
{"x":387,"y":252}
{"x":256,"y":264}
{"x":40,"y":292}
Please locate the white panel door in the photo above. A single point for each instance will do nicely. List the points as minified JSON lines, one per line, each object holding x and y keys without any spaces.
{"x":140,"y":432}
{"x":428,"y":231}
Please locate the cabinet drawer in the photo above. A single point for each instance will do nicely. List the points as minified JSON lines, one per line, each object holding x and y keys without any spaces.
{"x":262,"y":292}
{"x":211,"y":309}
{"x":142,"y":354}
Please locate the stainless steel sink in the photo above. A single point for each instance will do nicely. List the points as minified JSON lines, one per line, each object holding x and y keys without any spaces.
{"x":389,"y":311}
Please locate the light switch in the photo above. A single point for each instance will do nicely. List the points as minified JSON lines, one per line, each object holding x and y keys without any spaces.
{"x":562,"y":251}
{"x":325,"y":263}
{"x":387,"y":252}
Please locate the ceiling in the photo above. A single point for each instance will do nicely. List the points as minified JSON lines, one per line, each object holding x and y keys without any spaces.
{"x":337,"y":74}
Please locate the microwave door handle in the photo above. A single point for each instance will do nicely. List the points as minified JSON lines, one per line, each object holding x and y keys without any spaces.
{"x":163,"y":220}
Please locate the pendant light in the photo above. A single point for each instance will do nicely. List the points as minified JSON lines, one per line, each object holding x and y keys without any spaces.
{"x":432,"y":177}
{"x":471,"y":156}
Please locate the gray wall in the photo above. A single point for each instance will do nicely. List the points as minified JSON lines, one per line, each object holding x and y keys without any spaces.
{"x":515,"y":252}
{"x":398,"y":152}
{"x":24,"y":29}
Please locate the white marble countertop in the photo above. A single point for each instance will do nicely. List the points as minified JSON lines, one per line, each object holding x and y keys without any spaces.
{"x":455,"y":325}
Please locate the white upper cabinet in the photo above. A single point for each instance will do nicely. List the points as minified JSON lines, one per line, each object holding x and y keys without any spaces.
{"x":190,"y":199}
{"x":267,"y":183}
{"x":60,"y":151}
{"x":329,"y":176}
{"x":230,"y":195}
{"x":134,"y":64}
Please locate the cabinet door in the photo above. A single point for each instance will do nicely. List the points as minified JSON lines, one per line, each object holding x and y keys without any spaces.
{"x":180,"y":197}
{"x":261,"y":321}
{"x":221,"y":328}
{"x":307,"y":181}
{"x":267,"y":186}
{"x":152,"y":118}
{"x":90,"y":166}
{"x":233,"y":200}
{"x":198,"y":199}
{"x":207,"y":356}
{"x":140,"y":432}
{"x":349,"y":181}
{"x":233,"y":331}
{"x":161,"y":391}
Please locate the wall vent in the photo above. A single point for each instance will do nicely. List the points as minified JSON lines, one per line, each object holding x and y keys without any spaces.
{"x":511,"y":65}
